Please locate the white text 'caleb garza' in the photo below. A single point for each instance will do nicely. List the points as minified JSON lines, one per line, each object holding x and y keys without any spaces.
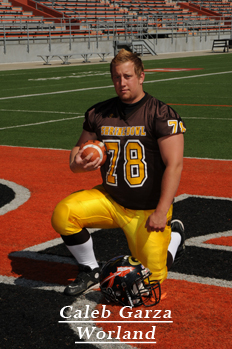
{"x":125,"y":313}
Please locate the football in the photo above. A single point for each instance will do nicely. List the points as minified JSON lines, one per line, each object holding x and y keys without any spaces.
{"x":97,"y":148}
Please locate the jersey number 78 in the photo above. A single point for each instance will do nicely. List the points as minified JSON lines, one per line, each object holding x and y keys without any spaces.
{"x":135,"y":166}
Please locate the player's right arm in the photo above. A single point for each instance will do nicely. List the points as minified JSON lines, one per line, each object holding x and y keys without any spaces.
{"x":76,"y":163}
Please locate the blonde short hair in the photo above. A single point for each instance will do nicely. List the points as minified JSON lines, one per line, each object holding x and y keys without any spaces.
{"x":124,"y":56}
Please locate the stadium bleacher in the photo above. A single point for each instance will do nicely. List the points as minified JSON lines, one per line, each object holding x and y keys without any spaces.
{"x":222,"y":7}
{"x":99,"y":18}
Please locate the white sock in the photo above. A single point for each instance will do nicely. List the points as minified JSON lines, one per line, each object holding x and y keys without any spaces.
{"x":174,"y":243}
{"x":84,"y":254}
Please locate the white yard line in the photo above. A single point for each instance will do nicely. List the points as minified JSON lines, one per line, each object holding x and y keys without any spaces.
{"x":95,"y":88}
{"x":40,"y":111}
{"x":82,"y":116}
{"x":56,"y":92}
{"x":40,"y":123}
{"x":111,"y":86}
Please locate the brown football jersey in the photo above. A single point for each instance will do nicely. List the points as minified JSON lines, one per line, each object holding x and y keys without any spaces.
{"x":134,"y":168}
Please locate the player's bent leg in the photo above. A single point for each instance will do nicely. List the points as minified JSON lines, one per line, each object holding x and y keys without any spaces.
{"x":81,"y":247}
{"x":83,"y":209}
{"x":149,"y":248}
{"x":154,"y":254}
{"x":71,"y":215}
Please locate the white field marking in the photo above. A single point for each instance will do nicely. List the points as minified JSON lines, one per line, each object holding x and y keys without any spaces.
{"x":199,"y":241}
{"x":33,"y":252}
{"x":22,"y":194}
{"x":56,"y":92}
{"x":187,"y":157}
{"x":186,"y":196}
{"x":42,"y":122}
{"x":84,"y":75}
{"x":17,"y":146}
{"x":43,"y":257}
{"x":82,"y":116}
{"x":111,"y":86}
{"x":200,"y":280}
{"x":10,"y":280}
{"x":72,"y":113}
{"x":188,"y":77}
{"x":39,"y":111}
{"x":202,"y":118}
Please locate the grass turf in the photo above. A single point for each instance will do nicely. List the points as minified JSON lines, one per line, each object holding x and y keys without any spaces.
{"x":45,"y":107}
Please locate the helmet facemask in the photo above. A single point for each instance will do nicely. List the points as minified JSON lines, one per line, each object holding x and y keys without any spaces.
{"x":133,"y":288}
{"x":146,"y":292}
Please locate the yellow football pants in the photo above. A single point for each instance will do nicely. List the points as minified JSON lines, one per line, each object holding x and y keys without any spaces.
{"x":95,"y":208}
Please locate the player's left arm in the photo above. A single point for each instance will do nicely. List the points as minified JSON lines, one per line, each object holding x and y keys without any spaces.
{"x":171,"y":149}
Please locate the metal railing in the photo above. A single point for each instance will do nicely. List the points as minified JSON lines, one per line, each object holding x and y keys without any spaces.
{"x":129,"y":28}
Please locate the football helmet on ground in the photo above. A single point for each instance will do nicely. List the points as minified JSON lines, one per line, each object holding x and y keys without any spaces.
{"x":126,"y":281}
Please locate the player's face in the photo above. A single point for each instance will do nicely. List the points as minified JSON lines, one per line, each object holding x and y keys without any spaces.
{"x":128,"y":86}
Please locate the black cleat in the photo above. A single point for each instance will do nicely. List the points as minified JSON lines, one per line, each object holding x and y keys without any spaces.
{"x":86,"y":279}
{"x":178,"y":227}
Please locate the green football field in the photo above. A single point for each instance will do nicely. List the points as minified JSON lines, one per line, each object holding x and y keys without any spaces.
{"x":45,"y":107}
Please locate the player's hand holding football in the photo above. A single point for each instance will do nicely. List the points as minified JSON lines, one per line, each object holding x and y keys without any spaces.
{"x":156,"y":222}
{"x":85,"y":164}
